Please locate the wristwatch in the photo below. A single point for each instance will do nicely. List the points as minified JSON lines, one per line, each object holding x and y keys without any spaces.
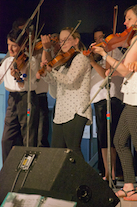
{"x":47,"y":50}
{"x":105,"y":57}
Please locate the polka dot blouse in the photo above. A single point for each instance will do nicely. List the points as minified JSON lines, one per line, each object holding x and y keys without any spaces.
{"x":72,"y":86}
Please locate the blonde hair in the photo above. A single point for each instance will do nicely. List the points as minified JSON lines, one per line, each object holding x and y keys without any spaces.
{"x":75,"y":35}
{"x":133,"y":8}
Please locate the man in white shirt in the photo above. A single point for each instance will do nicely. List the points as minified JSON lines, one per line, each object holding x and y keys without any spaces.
{"x":16,"y":82}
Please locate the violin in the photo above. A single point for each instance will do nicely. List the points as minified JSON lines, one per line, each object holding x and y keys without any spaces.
{"x":62,"y":58}
{"x":38,"y":45}
{"x":18,"y":64}
{"x":59,"y":60}
{"x":115,"y":40}
{"x":21,"y":60}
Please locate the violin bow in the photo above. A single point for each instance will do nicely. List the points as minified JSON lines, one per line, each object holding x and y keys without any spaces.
{"x":28,"y":23}
{"x":35,"y":38}
{"x":37,"y":35}
{"x":115,"y":18}
{"x":79,"y":22}
{"x":114,"y":22}
{"x":40,"y":30}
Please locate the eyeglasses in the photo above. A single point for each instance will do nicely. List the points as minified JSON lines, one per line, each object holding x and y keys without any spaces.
{"x":99,"y":38}
{"x":65,"y":40}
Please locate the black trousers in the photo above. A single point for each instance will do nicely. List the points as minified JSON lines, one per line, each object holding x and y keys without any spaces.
{"x":43,"y":128}
{"x":126,"y":129}
{"x":101,"y":120}
{"x":69,"y":134}
{"x":15,"y":127}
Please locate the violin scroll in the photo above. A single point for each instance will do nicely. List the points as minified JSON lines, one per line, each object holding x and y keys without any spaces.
{"x":90,"y":50}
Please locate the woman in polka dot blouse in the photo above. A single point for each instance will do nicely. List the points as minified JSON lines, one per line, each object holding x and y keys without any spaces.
{"x":71,"y":83}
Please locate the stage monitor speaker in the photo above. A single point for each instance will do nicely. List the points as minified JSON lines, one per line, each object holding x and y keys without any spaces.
{"x":56,"y":172}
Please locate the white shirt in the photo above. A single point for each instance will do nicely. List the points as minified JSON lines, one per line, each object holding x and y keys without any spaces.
{"x":97,"y":80}
{"x":42,"y":86}
{"x":10,"y":84}
{"x":130,"y":90}
{"x":73,"y":89}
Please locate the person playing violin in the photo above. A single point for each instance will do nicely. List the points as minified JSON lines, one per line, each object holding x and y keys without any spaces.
{"x":72,"y":85}
{"x":18,"y":24}
{"x":100,"y":104}
{"x":41,"y":91}
{"x":49,"y":47}
{"x":127,"y":124}
{"x":15,"y":127}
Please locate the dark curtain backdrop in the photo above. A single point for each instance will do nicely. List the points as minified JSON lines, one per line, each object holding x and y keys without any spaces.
{"x":57,"y":14}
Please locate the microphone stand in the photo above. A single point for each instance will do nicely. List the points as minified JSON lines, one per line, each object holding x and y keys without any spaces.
{"x":29,"y":21}
{"x":31,"y":49}
{"x":29,"y":86}
{"x":29,"y":70}
{"x":106,"y":84}
{"x":108,"y":116}
{"x":109,"y":120}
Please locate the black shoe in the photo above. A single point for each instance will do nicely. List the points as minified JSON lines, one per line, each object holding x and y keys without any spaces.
{"x":114,"y":181}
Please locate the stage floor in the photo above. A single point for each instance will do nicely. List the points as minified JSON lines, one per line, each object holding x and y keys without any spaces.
{"x":122,"y":202}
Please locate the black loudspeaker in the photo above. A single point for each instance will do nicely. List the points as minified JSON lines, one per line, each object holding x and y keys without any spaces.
{"x":56,"y":172}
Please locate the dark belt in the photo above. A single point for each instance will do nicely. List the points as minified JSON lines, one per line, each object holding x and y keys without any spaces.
{"x":21,"y":93}
{"x":42,"y":94}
